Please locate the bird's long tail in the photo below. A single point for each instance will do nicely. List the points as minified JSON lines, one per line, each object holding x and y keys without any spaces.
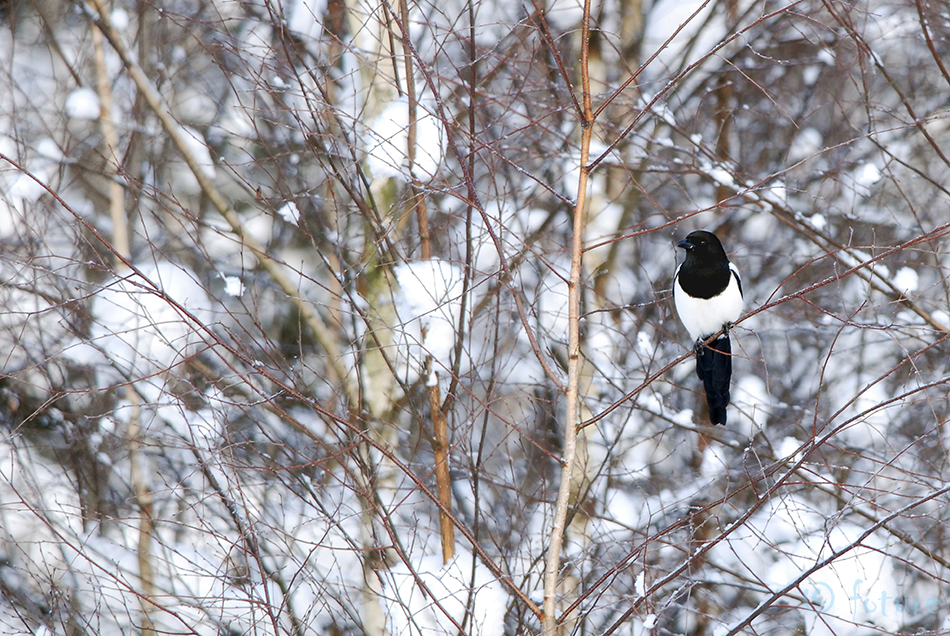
{"x":714,"y":368}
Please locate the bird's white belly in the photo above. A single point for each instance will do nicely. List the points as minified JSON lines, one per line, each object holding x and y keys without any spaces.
{"x":703,"y":317}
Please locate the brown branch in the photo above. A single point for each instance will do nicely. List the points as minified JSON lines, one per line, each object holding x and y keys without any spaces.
{"x":443,"y":481}
{"x":551,"y":620}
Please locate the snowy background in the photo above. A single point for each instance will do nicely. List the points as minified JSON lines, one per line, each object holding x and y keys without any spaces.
{"x":244,"y":244}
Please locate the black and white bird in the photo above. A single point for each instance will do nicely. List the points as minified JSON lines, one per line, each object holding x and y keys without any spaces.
{"x":707,"y":292}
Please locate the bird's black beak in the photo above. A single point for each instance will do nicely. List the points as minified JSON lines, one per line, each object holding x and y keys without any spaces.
{"x":686,"y":245}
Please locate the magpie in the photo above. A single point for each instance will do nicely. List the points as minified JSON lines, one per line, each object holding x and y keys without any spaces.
{"x":707,"y":293}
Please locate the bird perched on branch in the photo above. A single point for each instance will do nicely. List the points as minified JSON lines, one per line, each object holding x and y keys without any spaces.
{"x":707,"y":292}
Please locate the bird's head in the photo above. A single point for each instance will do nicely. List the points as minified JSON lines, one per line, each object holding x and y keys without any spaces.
{"x":702,"y":245}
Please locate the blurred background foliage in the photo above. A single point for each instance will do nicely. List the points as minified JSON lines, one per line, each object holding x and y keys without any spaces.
{"x":252,"y":252}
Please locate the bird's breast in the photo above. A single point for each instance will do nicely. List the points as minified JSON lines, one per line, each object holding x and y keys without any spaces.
{"x":703,"y":317}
